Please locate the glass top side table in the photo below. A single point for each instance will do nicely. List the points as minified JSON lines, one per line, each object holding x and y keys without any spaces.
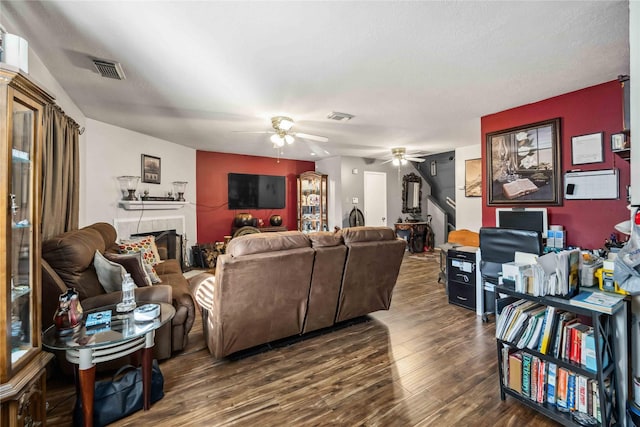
{"x":88,"y":346}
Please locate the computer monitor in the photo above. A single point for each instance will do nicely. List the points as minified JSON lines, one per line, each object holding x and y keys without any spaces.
{"x":534,"y":219}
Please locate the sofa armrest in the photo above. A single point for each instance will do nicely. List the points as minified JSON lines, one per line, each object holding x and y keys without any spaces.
{"x":202,"y":287}
{"x":156,"y":293}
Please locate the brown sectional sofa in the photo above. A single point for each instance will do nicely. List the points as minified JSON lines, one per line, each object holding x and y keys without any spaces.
{"x":67,"y":261}
{"x":270,"y":286}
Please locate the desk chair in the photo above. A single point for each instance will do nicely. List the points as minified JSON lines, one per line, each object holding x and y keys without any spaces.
{"x":497,"y":246}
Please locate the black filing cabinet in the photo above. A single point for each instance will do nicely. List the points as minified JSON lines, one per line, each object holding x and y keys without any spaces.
{"x":461,"y":276}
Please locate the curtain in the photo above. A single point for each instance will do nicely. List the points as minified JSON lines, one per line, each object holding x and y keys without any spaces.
{"x":60,"y":173}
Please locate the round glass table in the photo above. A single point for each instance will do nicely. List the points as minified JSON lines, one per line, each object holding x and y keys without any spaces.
{"x":108,"y":341}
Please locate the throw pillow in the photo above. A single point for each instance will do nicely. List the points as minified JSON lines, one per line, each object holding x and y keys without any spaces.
{"x":133,"y":265}
{"x":110,"y":274}
{"x":147,"y":247}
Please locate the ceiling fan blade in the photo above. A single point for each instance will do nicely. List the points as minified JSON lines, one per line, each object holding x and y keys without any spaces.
{"x":387,"y":161}
{"x":249,"y":131}
{"x":415,"y":159}
{"x":318,"y":150}
{"x":311,"y":137}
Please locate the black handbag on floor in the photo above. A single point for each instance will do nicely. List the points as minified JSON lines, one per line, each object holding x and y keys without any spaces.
{"x":120,"y":396}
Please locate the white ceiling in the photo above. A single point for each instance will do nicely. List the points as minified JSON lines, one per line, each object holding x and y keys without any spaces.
{"x":415,"y":74}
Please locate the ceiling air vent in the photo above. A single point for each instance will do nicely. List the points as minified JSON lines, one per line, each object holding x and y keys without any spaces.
{"x":341,"y":117}
{"x":109,"y":69}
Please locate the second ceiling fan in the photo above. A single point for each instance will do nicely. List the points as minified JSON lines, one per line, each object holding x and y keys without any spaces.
{"x":399,"y":157}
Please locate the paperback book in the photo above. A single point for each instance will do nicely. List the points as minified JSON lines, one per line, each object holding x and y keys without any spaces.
{"x":598,"y":301}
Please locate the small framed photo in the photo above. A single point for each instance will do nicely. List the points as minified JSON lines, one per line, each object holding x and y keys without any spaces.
{"x":618,"y":142}
{"x":150,"y":169}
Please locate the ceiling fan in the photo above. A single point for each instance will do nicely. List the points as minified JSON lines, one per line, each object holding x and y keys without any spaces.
{"x":282,"y":132}
{"x":399,"y":157}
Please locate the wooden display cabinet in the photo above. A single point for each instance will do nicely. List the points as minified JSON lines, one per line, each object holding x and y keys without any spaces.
{"x":312,"y":202}
{"x":22,"y":361}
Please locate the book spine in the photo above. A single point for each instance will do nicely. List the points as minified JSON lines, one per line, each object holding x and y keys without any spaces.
{"x":542,"y":374}
{"x":590,"y":396}
{"x":571,"y":391}
{"x":573,"y":355}
{"x":563,"y":376}
{"x":535,"y":365}
{"x":551,"y":383}
{"x":582,"y":393}
{"x":526,"y":374}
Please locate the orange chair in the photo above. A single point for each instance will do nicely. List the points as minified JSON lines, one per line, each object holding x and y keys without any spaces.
{"x":464,"y":238}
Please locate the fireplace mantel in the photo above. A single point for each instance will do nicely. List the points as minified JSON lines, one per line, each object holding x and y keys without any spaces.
{"x":138,"y":205}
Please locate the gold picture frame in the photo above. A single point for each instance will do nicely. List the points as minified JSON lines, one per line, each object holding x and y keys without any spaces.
{"x":473,"y":178}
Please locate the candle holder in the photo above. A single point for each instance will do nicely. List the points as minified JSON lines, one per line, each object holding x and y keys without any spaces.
{"x":178,"y":188}
{"x":128,"y":185}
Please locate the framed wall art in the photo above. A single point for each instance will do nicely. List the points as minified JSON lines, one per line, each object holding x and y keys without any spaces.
{"x":523,"y":165}
{"x":587,"y":149}
{"x":473,"y":178}
{"x":150,"y":169}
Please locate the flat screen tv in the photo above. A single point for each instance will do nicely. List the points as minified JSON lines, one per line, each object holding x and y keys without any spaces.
{"x":534,"y":219}
{"x":256,"y":191}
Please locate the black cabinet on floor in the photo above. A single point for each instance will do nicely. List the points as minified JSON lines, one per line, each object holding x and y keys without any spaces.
{"x":461,"y":276}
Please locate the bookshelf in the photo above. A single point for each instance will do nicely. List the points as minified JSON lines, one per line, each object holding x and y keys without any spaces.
{"x":518,"y":356}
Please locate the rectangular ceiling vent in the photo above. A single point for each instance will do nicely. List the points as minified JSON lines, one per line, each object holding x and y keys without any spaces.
{"x":341,"y":117}
{"x":109,"y":69}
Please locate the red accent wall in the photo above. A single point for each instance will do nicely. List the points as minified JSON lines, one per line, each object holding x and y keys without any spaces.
{"x":594,"y":109}
{"x":214,"y":219}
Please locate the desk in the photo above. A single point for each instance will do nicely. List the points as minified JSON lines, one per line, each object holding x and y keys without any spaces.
{"x":414,"y":233}
{"x":122,"y":337}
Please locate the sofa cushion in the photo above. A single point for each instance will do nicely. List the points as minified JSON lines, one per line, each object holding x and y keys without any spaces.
{"x":71,"y":256}
{"x":133,"y":264}
{"x":323,"y":239}
{"x":110,"y":274}
{"x":147,"y":246}
{"x":108,"y":234}
{"x":267,"y":242}
{"x":367,"y":234}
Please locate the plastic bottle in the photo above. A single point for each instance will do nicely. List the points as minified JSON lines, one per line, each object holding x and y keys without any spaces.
{"x":128,"y":296}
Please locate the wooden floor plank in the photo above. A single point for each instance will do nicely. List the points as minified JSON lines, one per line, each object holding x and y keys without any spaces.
{"x":422,"y":363}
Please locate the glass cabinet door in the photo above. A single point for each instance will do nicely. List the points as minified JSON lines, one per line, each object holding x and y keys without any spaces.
{"x":312,"y":202}
{"x":20,"y":238}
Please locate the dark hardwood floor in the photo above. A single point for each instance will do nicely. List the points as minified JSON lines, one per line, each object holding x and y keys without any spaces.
{"x":423,"y":362}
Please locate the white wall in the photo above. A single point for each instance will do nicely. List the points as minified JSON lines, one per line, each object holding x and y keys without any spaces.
{"x":468,"y":209}
{"x":111,"y":151}
{"x":353,"y":186}
{"x":331,"y":167}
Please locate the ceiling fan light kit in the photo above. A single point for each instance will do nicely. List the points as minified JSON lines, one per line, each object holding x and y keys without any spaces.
{"x":282,"y":123}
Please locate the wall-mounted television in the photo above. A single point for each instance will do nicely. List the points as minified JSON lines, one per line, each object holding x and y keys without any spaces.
{"x":256,"y":191}
{"x":534,"y":219}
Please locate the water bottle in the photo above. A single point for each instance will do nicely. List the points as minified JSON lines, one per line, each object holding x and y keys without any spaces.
{"x":128,"y":297}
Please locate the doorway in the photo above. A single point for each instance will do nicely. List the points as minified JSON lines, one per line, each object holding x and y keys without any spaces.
{"x":375,"y":198}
